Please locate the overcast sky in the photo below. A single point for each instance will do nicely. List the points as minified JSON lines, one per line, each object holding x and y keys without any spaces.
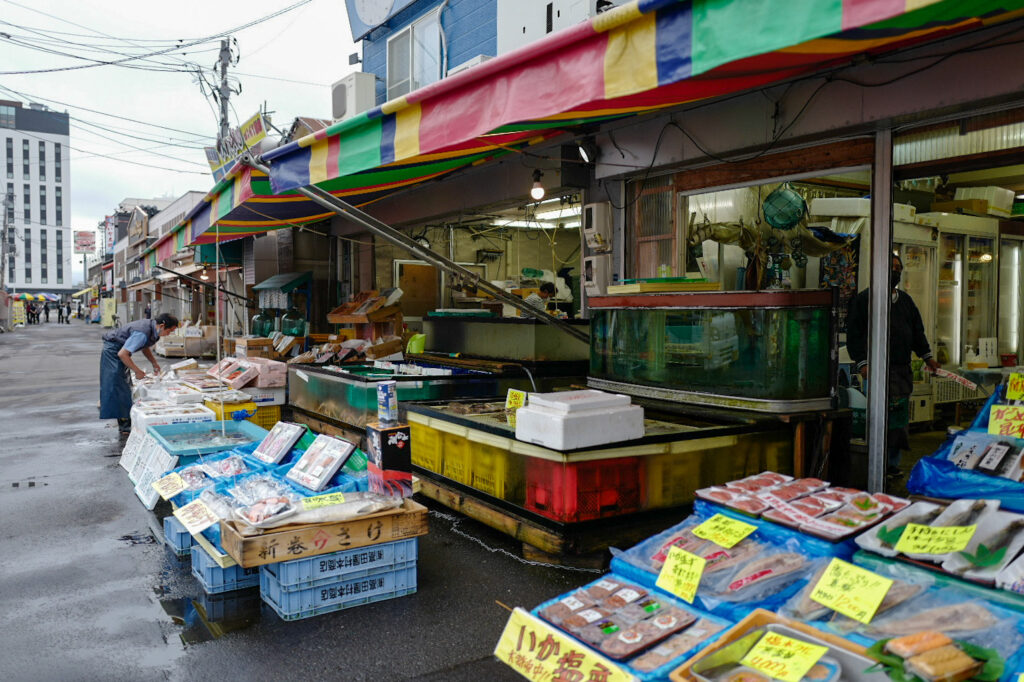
{"x":310,"y":43}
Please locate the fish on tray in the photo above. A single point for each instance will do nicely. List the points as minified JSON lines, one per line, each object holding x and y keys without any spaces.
{"x":991,"y":552}
{"x":759,"y":571}
{"x":966,"y":517}
{"x":955,"y":618}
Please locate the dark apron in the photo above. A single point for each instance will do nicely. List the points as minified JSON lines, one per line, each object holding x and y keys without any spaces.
{"x":115,"y":384}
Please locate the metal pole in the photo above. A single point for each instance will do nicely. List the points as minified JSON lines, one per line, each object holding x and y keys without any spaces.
{"x":880,"y":302}
{"x":225,"y":92}
{"x":202,"y":283}
{"x":8,"y":201}
{"x":328,"y":200}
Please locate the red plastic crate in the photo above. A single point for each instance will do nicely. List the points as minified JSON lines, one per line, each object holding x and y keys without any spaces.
{"x":581,"y":491}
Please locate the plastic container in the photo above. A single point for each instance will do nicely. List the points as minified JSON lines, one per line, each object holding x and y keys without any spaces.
{"x":582,"y":491}
{"x":573,"y":429}
{"x":293,"y":324}
{"x":216,"y":580}
{"x":301,"y":574}
{"x":176,"y":537}
{"x":266,"y":416}
{"x":328,"y":597}
{"x":189,"y":441}
{"x":227,"y":411}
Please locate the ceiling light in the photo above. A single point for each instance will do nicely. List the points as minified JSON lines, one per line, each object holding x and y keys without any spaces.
{"x":537,"y":191}
{"x":203,"y":275}
{"x":985,"y":258}
{"x":558,"y":214}
{"x":588,"y":150}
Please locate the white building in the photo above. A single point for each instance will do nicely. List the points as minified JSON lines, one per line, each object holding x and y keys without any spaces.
{"x":38,"y":251}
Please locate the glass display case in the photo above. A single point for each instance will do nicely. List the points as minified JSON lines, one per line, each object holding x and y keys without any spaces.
{"x":472,"y":443}
{"x":949,"y":300}
{"x":767,"y":351}
{"x":980,"y":312}
{"x":1011,"y":298}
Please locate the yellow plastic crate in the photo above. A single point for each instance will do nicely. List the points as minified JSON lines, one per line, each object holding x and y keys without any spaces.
{"x":672,"y":478}
{"x":497,"y":472}
{"x":229,"y":409}
{"x":457,"y":458}
{"x":267,"y":416}
{"x":426,"y":447}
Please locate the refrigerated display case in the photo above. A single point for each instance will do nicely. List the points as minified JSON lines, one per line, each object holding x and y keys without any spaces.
{"x":1011,"y":298}
{"x":980,"y":307}
{"x":949,"y":301}
{"x":918,"y":282}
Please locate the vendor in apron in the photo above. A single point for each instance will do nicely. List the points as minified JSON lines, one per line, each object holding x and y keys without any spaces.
{"x":906,"y":335}
{"x":116,"y":362}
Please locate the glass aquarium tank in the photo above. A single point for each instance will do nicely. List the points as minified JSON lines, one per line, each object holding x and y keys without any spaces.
{"x":770,"y":351}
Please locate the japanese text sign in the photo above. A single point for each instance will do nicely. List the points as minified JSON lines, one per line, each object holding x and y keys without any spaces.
{"x":1015,"y":386}
{"x":783,"y":658}
{"x":919,"y":539}
{"x":328,"y":500}
{"x":196,"y":517}
{"x":681,"y":573}
{"x":851,"y":590}
{"x":169,"y":486}
{"x":1006,"y":420}
{"x":723,"y":531}
{"x":538,"y":652}
{"x":515,"y":399}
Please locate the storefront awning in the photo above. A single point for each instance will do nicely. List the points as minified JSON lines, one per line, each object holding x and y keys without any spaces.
{"x":82,"y":292}
{"x":640,"y":57}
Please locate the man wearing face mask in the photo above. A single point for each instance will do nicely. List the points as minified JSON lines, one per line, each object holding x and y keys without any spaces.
{"x":906,"y":336}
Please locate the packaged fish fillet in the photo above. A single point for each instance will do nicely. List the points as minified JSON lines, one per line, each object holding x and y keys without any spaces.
{"x":764,"y":574}
{"x":997,"y":541}
{"x":882,"y":538}
{"x":251,"y":489}
{"x":959,"y":513}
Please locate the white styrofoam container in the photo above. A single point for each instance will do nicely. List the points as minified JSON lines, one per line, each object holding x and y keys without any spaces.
{"x":266,"y":396}
{"x":566,"y":402}
{"x":1000,"y":200}
{"x":857,"y":207}
{"x":586,"y":428}
{"x":145,"y":416}
{"x":967,"y":224}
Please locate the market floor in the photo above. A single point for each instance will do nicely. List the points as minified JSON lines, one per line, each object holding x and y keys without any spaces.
{"x":87,"y":591}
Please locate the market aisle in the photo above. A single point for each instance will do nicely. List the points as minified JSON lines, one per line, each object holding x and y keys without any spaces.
{"x":87,"y":594}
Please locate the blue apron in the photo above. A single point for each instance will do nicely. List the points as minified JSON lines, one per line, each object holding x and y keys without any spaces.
{"x":115,"y":385}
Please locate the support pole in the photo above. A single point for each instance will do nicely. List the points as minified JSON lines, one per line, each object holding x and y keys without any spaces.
{"x":879,"y":304}
{"x":385,"y":231}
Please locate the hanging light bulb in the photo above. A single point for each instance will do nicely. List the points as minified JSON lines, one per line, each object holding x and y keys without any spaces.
{"x":203,"y":276}
{"x":537,"y":191}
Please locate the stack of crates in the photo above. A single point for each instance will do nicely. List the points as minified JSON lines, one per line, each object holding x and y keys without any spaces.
{"x":176,"y":537}
{"x":216,"y":580}
{"x":261,"y":415}
{"x":266,"y":416}
{"x":571,"y":492}
{"x":303,"y":588}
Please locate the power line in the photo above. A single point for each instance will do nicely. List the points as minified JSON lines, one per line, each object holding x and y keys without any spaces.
{"x":112,"y":158}
{"x":140,"y":149}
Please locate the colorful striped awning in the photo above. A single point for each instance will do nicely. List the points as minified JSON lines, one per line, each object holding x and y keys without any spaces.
{"x":639,"y":57}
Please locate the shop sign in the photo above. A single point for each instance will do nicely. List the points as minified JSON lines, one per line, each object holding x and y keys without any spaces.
{"x":85,"y":241}
{"x":783,"y":658}
{"x":681,"y":573}
{"x":1015,"y":387}
{"x":851,"y":590}
{"x":196,"y":517}
{"x":1006,"y":420}
{"x":921,"y":539}
{"x":538,"y":652}
{"x":310,"y":503}
{"x":169,"y":486}
{"x":723,"y":531}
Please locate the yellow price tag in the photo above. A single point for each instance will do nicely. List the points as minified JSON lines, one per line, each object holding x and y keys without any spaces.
{"x":169,"y":486}
{"x":783,"y":658}
{"x":1006,"y":420}
{"x":196,"y":517}
{"x":918,"y":539}
{"x":538,"y":652}
{"x":515,"y":399}
{"x":851,"y":590}
{"x":723,"y":531}
{"x":323,"y":501}
{"x":1015,"y":388}
{"x":681,"y":573}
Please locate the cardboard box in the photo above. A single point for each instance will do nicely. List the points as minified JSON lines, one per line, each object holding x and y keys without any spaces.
{"x":297,"y":542}
{"x":383,"y":350}
{"x":245,"y":345}
{"x":389,"y":450}
{"x":272,"y":374}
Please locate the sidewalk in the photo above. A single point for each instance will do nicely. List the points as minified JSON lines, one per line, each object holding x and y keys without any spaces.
{"x":87,"y":592}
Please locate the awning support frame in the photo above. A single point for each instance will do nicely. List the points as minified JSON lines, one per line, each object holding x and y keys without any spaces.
{"x":390,"y":234}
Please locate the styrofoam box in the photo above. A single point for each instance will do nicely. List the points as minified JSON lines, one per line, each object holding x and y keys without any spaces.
{"x":1000,"y":201}
{"x":568,"y":402}
{"x":266,"y":396}
{"x":142,"y":418}
{"x":962,"y":223}
{"x":581,"y":429}
{"x":849,"y":206}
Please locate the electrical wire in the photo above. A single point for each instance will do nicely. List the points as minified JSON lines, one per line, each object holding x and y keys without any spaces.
{"x":112,"y":158}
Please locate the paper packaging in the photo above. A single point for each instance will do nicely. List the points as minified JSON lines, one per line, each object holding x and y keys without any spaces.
{"x":320,"y":462}
{"x":577,"y":419}
{"x":239,"y":375}
{"x":272,"y":374}
{"x":389,"y":468}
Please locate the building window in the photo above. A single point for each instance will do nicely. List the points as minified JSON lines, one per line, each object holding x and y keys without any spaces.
{"x":43,"y":265}
{"x":42,"y":161}
{"x":26,"y":202}
{"x":414,"y":56}
{"x":58,"y":206}
{"x":42,"y":204}
{"x":56,"y":162}
{"x":28,"y":254}
{"x":59,"y":236}
{"x":9,"y":200}
{"x":24,"y":161}
{"x":10,"y":159}
{"x":7,"y":116}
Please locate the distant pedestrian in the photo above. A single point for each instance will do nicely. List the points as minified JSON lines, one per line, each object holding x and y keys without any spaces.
{"x":149,"y":311}
{"x":60,"y":313}
{"x":79,"y":310}
{"x":67,"y":313}
{"x":46,"y":311}
{"x":31,"y":310}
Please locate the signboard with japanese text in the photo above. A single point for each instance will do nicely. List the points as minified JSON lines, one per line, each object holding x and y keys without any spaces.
{"x":85,"y":241}
{"x":921,"y":539}
{"x":109,"y":233}
{"x":539,"y":652}
{"x":783,"y":658}
{"x":1006,"y":420}
{"x":851,"y":590}
{"x":681,"y":573}
{"x":723,"y":531}
{"x":1015,"y":386}
{"x":239,"y":140}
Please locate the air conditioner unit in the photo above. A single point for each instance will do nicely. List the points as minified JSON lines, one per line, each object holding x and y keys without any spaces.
{"x":352,"y":95}
{"x":479,"y":59}
{"x":596,"y":274}
{"x":597,"y":226}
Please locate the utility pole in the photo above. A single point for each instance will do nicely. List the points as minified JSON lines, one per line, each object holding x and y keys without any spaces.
{"x":8,"y":202}
{"x":225,"y":91}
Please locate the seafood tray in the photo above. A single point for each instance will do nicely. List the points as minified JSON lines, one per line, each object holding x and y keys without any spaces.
{"x":301,"y":574}
{"x":176,"y":537}
{"x":328,"y":597}
{"x":215,"y":580}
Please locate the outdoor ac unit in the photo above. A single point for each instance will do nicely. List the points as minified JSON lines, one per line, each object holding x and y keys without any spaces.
{"x":597,"y":226}
{"x":352,"y":95}
{"x":469,"y":64}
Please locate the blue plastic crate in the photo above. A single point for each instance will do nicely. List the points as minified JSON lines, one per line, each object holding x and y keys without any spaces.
{"x":299,"y":574}
{"x":176,"y":537}
{"x":231,"y":606}
{"x":336,"y":596}
{"x":215,"y":579}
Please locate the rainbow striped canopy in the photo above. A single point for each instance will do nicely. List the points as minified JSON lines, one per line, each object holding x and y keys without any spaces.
{"x":640,"y":57}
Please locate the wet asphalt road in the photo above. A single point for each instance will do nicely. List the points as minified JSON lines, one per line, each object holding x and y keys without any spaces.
{"x":88,"y":592}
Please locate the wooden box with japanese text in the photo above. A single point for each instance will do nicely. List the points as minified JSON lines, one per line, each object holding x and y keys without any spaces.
{"x":297,"y":542}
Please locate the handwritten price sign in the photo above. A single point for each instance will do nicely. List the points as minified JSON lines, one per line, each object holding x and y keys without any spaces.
{"x":196,"y":517}
{"x":515,"y":399}
{"x":681,"y":573}
{"x":538,"y":652}
{"x":169,"y":486}
{"x":851,"y":590}
{"x":1015,"y":387}
{"x":1006,"y":420}
{"x":723,"y":531}
{"x":323,"y":501}
{"x":919,"y":539}
{"x":783,"y":658}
